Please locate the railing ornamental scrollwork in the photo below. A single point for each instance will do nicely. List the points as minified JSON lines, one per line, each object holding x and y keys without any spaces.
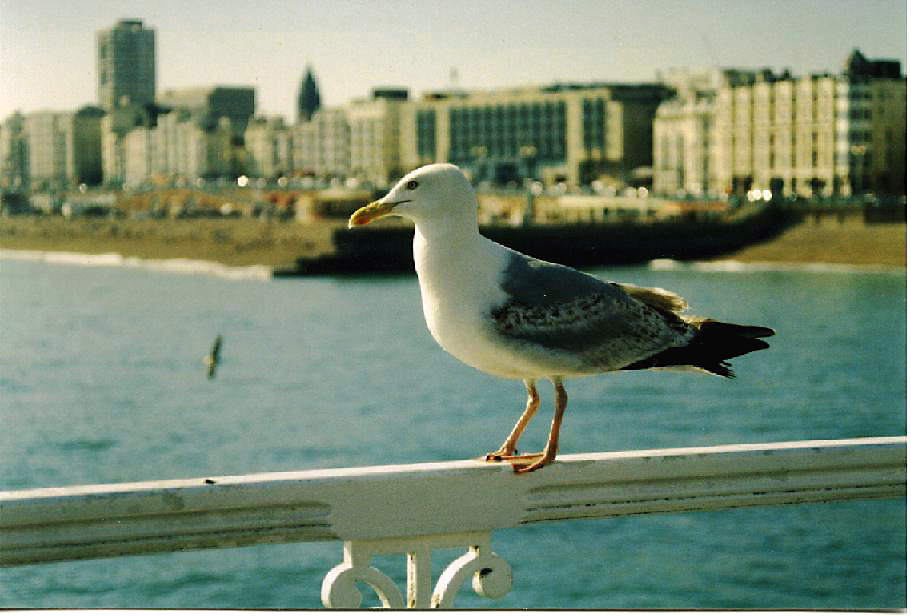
{"x":491,"y":575}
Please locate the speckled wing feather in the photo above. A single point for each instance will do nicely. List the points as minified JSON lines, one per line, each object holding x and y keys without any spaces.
{"x":594,"y":325}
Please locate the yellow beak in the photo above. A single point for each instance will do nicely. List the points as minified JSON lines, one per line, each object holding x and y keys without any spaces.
{"x":369,"y":213}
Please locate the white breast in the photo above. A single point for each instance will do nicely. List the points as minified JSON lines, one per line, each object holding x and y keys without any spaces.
{"x":460,"y":283}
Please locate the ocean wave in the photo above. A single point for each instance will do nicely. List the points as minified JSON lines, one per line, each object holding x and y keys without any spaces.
{"x":174,"y":266}
{"x":731,"y":266}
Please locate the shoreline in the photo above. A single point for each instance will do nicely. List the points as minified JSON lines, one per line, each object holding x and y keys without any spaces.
{"x":264,"y":272}
{"x":254,"y":249}
{"x":112,"y":259}
{"x":231,"y":242}
{"x":829,"y":241}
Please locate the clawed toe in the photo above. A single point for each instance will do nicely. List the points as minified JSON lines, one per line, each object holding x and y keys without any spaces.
{"x":524,"y":463}
{"x":500,"y":455}
{"x":541,"y":461}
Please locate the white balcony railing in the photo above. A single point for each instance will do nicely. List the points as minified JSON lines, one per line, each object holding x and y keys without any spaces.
{"x":415,"y":508}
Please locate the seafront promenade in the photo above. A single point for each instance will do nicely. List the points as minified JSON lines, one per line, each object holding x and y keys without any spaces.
{"x":240,"y":242}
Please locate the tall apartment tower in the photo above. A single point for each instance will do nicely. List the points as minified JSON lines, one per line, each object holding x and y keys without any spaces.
{"x":126,"y":65}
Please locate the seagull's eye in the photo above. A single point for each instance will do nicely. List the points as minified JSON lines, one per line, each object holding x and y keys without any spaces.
{"x":411,"y":185}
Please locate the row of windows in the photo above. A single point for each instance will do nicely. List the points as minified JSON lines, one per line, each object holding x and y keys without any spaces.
{"x":856,"y":136}
{"x":593,"y":132}
{"x":466,"y":151}
{"x":747,"y":94}
{"x":507,"y":131}
{"x":510,"y":113}
{"x":860,"y":114}
{"x":503,"y":130}
{"x":426,"y":121}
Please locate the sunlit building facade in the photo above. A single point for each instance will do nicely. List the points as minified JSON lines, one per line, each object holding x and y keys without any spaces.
{"x":321,"y":146}
{"x":375,"y":136}
{"x":268,"y":151}
{"x":51,"y":150}
{"x":686,"y":152}
{"x":571,"y":133}
{"x":819,"y":135}
{"x":191,"y":134}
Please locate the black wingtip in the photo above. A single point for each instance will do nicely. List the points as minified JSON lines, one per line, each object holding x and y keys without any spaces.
{"x":722,"y":368}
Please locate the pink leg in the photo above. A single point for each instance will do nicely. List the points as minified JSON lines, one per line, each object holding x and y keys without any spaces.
{"x":509,"y":445}
{"x":553,"y":440}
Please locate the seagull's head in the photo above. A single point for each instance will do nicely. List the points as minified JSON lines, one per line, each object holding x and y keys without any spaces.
{"x":429,"y":193}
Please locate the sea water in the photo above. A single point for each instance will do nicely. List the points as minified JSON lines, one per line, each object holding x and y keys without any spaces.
{"x":101,"y":380}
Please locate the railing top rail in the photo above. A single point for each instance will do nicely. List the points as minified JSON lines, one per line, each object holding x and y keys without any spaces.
{"x":375,"y":502}
{"x":473,"y":464}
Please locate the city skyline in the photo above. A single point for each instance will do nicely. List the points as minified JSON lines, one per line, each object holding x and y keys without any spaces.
{"x":47,"y":48}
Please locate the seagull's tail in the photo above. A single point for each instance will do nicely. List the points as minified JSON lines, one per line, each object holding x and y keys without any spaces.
{"x":714,"y":343}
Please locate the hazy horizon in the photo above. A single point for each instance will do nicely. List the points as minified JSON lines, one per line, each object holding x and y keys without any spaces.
{"x":47,"y":48}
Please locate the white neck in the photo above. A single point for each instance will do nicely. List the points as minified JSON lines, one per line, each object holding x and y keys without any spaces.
{"x":454,"y":226}
{"x":436,"y":245}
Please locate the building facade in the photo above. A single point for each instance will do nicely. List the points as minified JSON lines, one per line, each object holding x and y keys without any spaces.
{"x":87,"y":145}
{"x":126,"y":69}
{"x":211,"y":104}
{"x":14,"y":154}
{"x":321,"y":146}
{"x":571,"y":133}
{"x":179,"y":148}
{"x":51,"y":150}
{"x":685,"y":149}
{"x":268,"y":148}
{"x":115,"y":125}
{"x":126,"y":64}
{"x":191,"y":134}
{"x":374,"y":136}
{"x":819,"y":135}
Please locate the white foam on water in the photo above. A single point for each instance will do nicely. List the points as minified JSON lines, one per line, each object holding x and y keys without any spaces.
{"x":731,"y":266}
{"x":175,"y":266}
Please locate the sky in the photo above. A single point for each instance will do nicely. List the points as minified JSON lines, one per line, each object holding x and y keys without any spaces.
{"x":47,"y":47}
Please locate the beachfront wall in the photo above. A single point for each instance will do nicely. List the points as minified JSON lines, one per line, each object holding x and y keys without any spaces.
{"x":416,"y":508}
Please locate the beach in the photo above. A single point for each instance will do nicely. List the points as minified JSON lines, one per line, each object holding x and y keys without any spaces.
{"x":230,"y":241}
{"x":847,"y":243}
{"x":243,"y":242}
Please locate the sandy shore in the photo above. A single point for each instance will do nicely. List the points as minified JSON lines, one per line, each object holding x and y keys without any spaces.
{"x":234,"y":242}
{"x":848,"y":243}
{"x":239,"y":242}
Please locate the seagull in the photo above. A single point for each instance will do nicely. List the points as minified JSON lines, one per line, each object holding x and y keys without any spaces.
{"x":517,"y":317}
{"x":211,"y":360}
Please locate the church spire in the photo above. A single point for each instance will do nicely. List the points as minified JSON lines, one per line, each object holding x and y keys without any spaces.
{"x":308,"y":97}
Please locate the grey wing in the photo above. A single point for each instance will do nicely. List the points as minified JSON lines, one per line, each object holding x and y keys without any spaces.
{"x":564,"y":311}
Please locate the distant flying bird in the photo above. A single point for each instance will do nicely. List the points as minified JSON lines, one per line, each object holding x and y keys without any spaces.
{"x":513,"y":316}
{"x":211,"y":360}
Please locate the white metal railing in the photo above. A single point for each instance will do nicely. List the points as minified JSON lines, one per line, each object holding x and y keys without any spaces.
{"x":416,"y":508}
